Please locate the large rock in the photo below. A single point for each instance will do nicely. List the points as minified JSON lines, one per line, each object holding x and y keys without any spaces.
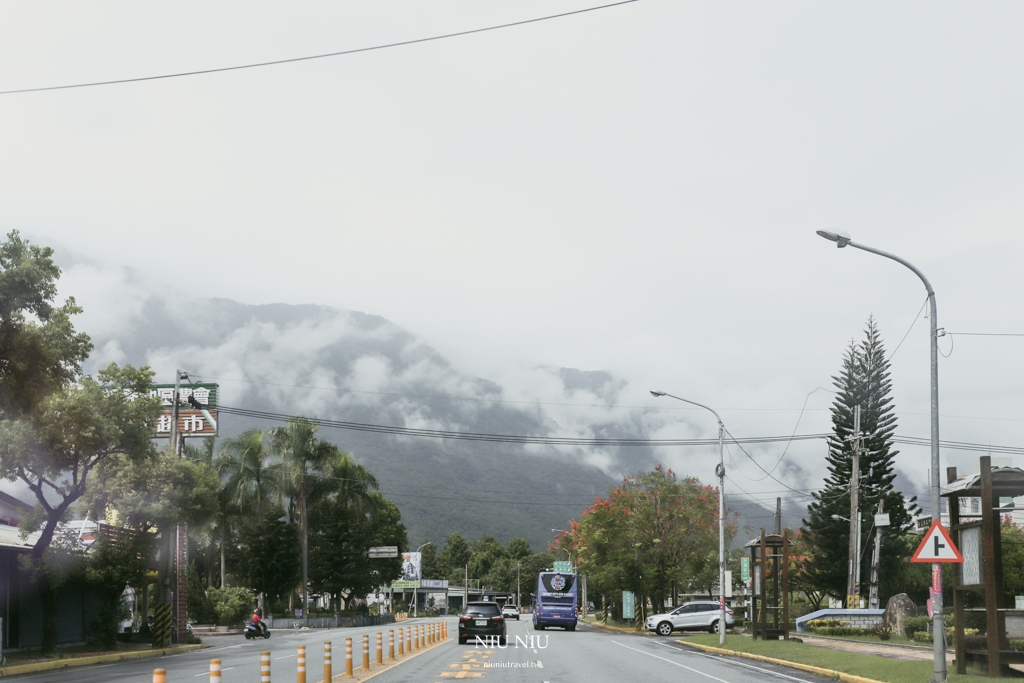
{"x":897,"y":610}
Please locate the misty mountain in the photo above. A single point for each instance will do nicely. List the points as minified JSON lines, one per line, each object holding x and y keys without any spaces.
{"x":326,"y":363}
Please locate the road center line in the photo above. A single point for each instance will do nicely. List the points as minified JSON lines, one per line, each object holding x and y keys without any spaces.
{"x":706,"y":675}
{"x":296,"y":655}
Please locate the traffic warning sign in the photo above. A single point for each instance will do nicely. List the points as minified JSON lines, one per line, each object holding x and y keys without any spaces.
{"x":937,"y":546}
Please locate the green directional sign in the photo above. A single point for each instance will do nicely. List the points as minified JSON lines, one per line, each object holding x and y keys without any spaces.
{"x":628,"y":606}
{"x":563,"y":567}
{"x":745,"y":569}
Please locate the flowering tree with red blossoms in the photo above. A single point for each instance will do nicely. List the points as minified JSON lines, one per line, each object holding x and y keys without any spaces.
{"x":650,"y":535}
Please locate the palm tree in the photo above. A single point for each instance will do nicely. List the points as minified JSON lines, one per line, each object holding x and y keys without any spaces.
{"x":308,"y":472}
{"x":249,"y":483}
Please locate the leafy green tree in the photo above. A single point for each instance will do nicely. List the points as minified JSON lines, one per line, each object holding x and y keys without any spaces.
{"x":864,"y":381}
{"x":649,"y":533}
{"x":40,"y":352}
{"x":532,"y":566}
{"x":115,"y":562}
{"x":54,"y":448}
{"x":307,"y":474}
{"x":485,"y":553}
{"x":518,"y":548}
{"x":269,"y":555}
{"x":430,"y":562}
{"x":232,"y":605}
{"x":454,"y":557}
{"x":342,"y":534}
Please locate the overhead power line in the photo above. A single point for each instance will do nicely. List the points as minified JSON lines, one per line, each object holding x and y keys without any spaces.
{"x":307,"y":58}
{"x":510,"y":438}
{"x":581,"y":441}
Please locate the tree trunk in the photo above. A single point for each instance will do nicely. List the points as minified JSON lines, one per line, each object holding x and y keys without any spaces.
{"x":48,"y":597}
{"x":223,"y":564}
{"x":305,"y":557}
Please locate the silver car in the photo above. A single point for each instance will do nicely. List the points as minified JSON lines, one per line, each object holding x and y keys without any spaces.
{"x":698,"y":615}
{"x":510,"y":612}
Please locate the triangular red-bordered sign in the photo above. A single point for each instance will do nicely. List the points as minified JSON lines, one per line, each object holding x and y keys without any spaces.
{"x":937,"y":546}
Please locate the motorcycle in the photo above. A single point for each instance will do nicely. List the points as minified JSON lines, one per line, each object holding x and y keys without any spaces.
{"x":254,"y":631}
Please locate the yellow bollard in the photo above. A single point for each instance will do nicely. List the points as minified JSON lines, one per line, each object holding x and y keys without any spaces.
{"x":159,"y":675}
{"x":416,"y":637}
{"x":327,"y":660}
{"x":423,"y":635}
{"x":408,"y":639}
{"x":366,"y":652}
{"x":433,"y":633}
{"x":301,"y":670}
{"x":264,"y":667}
{"x":391,"y":644}
{"x":401,"y":642}
{"x":348,"y":658}
{"x":380,"y":647}
{"x":444,"y":630}
{"x":214,"y":671}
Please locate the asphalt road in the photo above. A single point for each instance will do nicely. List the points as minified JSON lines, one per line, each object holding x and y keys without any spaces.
{"x":240,"y":658}
{"x":587,"y":655}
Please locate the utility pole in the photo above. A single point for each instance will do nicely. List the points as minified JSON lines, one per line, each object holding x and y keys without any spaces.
{"x":852,"y":589}
{"x":778,"y":516}
{"x":519,"y":594}
{"x":876,"y":560}
{"x":466,"y":588}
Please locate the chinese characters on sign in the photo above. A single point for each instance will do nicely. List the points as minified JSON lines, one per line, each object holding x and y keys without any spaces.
{"x":204,"y":394}
{"x":190,"y":423}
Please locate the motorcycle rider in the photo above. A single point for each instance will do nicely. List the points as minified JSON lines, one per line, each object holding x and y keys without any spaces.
{"x":259,"y":623}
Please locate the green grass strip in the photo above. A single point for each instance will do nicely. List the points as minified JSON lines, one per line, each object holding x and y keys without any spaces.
{"x":855,"y":663}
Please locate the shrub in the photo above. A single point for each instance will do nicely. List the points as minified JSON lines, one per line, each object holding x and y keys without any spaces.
{"x":914,"y":625}
{"x":841,"y":631}
{"x":1017,"y":645}
{"x":922,"y":637}
{"x":232,"y":605}
{"x":824,"y":623}
{"x":883,"y":632}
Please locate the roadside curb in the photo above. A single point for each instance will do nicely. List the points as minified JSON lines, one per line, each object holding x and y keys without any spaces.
{"x":615,"y":629}
{"x":905,"y":646}
{"x":830,"y":673}
{"x":359,"y":675}
{"x":72,"y":662}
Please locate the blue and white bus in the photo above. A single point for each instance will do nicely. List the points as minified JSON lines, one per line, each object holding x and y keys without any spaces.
{"x":555,"y":603}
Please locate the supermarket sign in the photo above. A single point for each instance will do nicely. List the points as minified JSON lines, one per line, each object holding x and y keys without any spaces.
{"x":192,"y":420}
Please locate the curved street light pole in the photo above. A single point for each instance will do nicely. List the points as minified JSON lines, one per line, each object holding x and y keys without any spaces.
{"x":720,"y":471}
{"x":939,"y":630}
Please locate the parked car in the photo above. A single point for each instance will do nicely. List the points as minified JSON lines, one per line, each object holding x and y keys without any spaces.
{"x":697,"y":615}
{"x":482,"y":619}
{"x":510,"y":612}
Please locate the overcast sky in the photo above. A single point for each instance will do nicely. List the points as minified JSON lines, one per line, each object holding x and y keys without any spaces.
{"x":634,"y":189}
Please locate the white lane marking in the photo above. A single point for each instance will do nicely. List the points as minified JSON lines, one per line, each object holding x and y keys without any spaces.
{"x":540,"y":664}
{"x":735,"y":663}
{"x":706,"y":675}
{"x":207,"y":673}
{"x":287,"y":656}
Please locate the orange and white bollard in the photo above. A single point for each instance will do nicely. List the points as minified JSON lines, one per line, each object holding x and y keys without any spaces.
{"x":408,"y":639}
{"x":416,"y":637}
{"x":264,"y":667}
{"x":327,"y":661}
{"x":348,"y":658}
{"x":214,"y":671}
{"x":423,"y":636}
{"x":444,"y":630}
{"x":391,"y":644}
{"x":159,"y":675}
{"x":401,"y":642}
{"x":300,"y":676}
{"x":366,"y":652}
{"x":380,"y":647}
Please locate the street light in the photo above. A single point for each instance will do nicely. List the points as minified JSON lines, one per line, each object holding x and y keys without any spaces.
{"x":720,"y":471}
{"x":415,"y":594}
{"x":567,"y":552}
{"x":938,"y":644}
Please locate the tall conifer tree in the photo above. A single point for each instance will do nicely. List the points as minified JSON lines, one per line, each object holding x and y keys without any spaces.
{"x":864,"y":381}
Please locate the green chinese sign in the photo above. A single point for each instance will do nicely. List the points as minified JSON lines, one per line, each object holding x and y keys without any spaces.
{"x":401,"y":585}
{"x":745,"y":569}
{"x":628,"y":605}
{"x":563,"y":567}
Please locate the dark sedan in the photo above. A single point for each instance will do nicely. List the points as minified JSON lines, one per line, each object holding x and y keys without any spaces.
{"x":481,"y":619}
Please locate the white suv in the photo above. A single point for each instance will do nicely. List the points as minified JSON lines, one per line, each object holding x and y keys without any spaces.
{"x":699,"y":615}
{"x":510,"y":612}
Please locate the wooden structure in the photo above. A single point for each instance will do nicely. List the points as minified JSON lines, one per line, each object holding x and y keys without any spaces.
{"x":769,"y":599}
{"x":978,"y":537}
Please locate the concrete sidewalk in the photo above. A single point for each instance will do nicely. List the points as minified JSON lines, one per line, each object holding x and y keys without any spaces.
{"x":878,"y":649}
